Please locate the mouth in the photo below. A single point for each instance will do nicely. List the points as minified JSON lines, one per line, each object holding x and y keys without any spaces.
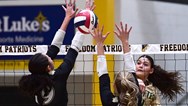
{"x":139,"y":70}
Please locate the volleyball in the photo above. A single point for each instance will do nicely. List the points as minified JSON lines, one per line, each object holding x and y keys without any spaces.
{"x":85,"y":21}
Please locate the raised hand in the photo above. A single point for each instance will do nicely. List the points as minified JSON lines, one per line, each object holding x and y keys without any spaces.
{"x":98,"y":35}
{"x":99,"y":38}
{"x":122,"y":33}
{"x":69,"y":13}
{"x":90,"y":5}
{"x":69,"y":9}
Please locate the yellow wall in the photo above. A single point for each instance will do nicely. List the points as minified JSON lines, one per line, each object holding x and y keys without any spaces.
{"x":17,"y":65}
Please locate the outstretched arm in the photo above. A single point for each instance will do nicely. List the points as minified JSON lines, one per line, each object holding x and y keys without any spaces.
{"x":104,"y":79}
{"x":60,"y":34}
{"x":71,"y":56}
{"x":123,"y":34}
{"x":69,"y":14}
{"x":101,"y":60}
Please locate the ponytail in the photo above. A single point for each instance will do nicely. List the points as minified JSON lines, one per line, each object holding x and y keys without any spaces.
{"x":167,"y":82}
{"x":32,"y":85}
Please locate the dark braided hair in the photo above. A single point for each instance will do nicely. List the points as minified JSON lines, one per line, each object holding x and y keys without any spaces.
{"x":167,"y":82}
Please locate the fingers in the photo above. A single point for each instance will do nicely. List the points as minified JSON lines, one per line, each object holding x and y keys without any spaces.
{"x":130,"y":30}
{"x":66,"y":2}
{"x":98,"y":33}
{"x":97,"y":27}
{"x":74,"y":2}
{"x":106,"y":35}
{"x":87,"y":5}
{"x":92,"y":6}
{"x":121,"y":25}
{"x":64,"y":7}
{"x":117,"y":27}
{"x":125,"y":27}
{"x":102,"y":29}
{"x":121,"y":29}
{"x":70,"y":3}
{"x":76,"y":11}
{"x":116,"y":33}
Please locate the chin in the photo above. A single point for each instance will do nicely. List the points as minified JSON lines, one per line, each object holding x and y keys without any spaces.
{"x":139,"y":74}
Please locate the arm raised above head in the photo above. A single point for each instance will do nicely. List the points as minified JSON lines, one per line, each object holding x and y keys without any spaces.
{"x":123,"y":34}
{"x":101,"y":59}
{"x":69,"y":14}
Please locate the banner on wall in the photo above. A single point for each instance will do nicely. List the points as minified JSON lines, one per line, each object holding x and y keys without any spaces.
{"x":15,"y":51}
{"x":114,"y":49}
{"x":32,"y":25}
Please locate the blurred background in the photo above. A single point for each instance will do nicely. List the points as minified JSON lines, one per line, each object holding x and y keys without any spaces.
{"x":25,"y":24}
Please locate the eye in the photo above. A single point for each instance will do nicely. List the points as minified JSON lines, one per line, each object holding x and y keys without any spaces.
{"x":145,"y":64}
{"x":138,"y":62}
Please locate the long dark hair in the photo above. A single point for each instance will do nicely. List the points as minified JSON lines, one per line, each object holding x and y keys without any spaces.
{"x":39,"y":80}
{"x":169,"y":83}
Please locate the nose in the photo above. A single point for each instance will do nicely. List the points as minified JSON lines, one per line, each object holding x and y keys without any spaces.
{"x":140,"y":65}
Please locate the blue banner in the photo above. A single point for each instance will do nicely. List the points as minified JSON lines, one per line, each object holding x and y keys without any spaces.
{"x":32,"y":25}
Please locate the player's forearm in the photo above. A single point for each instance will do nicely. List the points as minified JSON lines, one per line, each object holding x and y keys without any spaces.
{"x":58,"y":38}
{"x":129,"y":62}
{"x":101,"y":65}
{"x":65,"y":23}
{"x":77,"y":41}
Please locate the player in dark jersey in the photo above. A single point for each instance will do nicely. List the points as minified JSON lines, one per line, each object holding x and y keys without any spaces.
{"x":126,"y":86}
{"x":46,"y":84}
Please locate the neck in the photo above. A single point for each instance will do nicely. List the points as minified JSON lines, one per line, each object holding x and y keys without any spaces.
{"x":51,"y":72}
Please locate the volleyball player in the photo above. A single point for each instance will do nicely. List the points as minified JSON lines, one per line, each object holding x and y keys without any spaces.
{"x":46,"y":84}
{"x":157,"y":79}
{"x":126,"y":87}
{"x":153,"y":77}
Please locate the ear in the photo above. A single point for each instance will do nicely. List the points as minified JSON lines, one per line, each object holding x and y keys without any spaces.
{"x":48,"y":69}
{"x":152,"y":70}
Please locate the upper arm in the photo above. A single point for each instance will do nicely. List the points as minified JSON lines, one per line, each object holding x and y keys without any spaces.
{"x":105,"y":91}
{"x":65,"y":68}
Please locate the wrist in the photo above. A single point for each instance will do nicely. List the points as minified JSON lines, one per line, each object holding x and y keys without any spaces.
{"x":67,"y":19}
{"x":100,"y":44}
{"x":126,"y":47}
{"x":125,"y":42}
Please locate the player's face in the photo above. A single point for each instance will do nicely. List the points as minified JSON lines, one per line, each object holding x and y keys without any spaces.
{"x":143,"y":68}
{"x":51,"y":63}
